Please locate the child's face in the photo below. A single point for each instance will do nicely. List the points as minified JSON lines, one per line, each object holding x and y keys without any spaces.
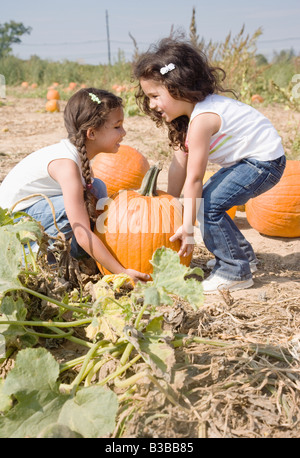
{"x":108,"y":137}
{"x":162,"y":102}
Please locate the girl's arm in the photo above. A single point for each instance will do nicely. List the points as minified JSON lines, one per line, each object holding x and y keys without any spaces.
{"x":201,"y":129}
{"x":67,"y":174}
{"x":177,"y":173}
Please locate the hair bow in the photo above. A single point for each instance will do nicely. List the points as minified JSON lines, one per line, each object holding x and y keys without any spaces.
{"x":167,"y":68}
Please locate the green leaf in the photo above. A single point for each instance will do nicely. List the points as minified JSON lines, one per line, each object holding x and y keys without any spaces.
{"x":91,"y":412}
{"x":152,"y":296}
{"x":34,"y":412}
{"x":35,"y":369}
{"x":27,"y":230}
{"x":169,"y":277}
{"x":10,"y":260}
{"x":15,"y":335}
{"x":40,"y":407}
{"x":5,"y":217}
{"x":154,"y":347}
{"x":156,"y":344}
{"x":110,"y":315}
{"x":5,"y":400}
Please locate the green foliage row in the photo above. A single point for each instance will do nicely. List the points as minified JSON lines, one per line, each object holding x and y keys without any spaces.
{"x":45,"y":72}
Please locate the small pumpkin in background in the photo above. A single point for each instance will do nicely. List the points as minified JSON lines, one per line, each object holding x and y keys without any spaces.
{"x":277,"y":212}
{"x":232,"y":211}
{"x":52,"y":106}
{"x":122,"y":170}
{"x":257,"y":98}
{"x":137,"y":223}
{"x":53,"y":94}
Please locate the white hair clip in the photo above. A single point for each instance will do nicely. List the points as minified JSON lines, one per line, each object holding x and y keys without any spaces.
{"x":94,"y":98}
{"x":167,"y":68}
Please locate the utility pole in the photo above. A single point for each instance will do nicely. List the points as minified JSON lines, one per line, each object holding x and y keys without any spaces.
{"x":108,"y":40}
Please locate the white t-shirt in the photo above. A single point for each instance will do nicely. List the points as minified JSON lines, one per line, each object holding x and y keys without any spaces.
{"x":244,"y":132}
{"x":30,"y":176}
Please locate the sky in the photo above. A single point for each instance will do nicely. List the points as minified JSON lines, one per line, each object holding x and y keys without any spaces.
{"x":77,"y":30}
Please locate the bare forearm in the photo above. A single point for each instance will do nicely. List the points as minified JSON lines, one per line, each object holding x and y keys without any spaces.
{"x":177,"y":175}
{"x":98,"y":251}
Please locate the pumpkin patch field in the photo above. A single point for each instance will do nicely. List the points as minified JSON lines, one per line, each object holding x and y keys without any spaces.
{"x":156,"y":360}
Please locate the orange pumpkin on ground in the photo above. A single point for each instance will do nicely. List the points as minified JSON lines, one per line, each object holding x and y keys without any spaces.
{"x":52,"y":105}
{"x":53,"y":94}
{"x":232,"y":211}
{"x":72,"y":86}
{"x":139,"y":222}
{"x":257,"y":98}
{"x":24,"y":84}
{"x":277,"y":212}
{"x":122,"y":170}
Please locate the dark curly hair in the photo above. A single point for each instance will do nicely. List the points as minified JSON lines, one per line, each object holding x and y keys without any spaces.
{"x":80,"y":114}
{"x":192,"y":80}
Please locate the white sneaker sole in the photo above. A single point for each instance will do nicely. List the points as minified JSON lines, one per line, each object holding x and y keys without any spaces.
{"x":234,"y":286}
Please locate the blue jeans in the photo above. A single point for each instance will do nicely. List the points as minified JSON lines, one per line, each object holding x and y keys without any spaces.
{"x":228,"y":187}
{"x":41,"y":212}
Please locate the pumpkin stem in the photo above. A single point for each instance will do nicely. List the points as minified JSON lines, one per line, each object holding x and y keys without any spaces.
{"x":149,"y":183}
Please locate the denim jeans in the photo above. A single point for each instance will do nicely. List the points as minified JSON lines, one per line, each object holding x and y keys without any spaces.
{"x":228,"y":187}
{"x":41,"y":212}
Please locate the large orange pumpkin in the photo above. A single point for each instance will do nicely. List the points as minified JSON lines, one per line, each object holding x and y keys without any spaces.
{"x":232,"y":211}
{"x":122,"y":170}
{"x":277,"y":211}
{"x":139,"y":222}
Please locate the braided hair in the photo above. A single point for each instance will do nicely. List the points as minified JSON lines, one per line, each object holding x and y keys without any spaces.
{"x":88,"y":108}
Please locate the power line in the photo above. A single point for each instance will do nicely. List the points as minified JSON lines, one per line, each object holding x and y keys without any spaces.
{"x":80,"y":43}
{"x":279,"y":40}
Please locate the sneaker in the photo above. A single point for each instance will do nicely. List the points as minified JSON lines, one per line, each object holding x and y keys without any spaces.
{"x":211,"y":264}
{"x":215,"y":283}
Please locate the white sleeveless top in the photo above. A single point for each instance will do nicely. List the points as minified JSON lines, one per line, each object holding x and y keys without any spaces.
{"x":30,"y":176}
{"x":244,"y":132}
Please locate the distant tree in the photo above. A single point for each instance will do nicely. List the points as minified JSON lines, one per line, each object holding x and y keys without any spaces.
{"x":285,"y":55}
{"x":9,"y":35}
{"x":261,"y":59}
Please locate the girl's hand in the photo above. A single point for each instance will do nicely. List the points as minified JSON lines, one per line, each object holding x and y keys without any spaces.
{"x":137,"y":276}
{"x":187,"y":241}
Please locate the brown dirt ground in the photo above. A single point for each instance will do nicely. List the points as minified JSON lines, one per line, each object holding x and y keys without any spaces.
{"x":266,"y":314}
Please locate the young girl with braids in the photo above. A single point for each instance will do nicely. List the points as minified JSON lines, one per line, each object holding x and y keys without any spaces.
{"x":94,"y":123}
{"x":179,"y":88}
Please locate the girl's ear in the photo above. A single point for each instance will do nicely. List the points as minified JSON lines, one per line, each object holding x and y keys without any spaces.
{"x":90,"y":133}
